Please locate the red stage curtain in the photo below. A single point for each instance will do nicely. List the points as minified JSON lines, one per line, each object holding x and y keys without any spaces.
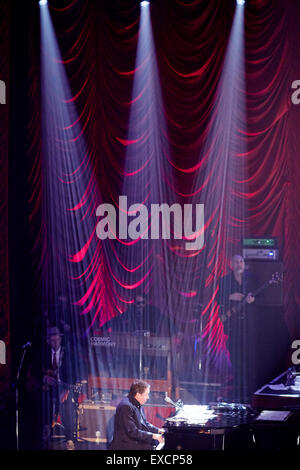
{"x":98,"y":41}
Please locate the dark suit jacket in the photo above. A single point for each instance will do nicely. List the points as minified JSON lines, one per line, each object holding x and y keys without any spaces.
{"x":132,"y":430}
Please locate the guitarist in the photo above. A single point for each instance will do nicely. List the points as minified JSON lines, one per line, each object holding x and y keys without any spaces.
{"x":236,"y":299}
{"x":52,"y":373}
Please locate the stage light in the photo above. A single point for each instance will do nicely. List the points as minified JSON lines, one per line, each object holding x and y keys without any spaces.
{"x":240,"y":2}
{"x":145,"y":3}
{"x":43,"y":3}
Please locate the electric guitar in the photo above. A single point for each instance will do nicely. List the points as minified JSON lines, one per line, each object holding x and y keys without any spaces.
{"x":238,"y":310}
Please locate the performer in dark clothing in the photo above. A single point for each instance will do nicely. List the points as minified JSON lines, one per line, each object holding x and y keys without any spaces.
{"x":235,"y":301}
{"x":50,"y":379}
{"x":131,"y":430}
{"x":141,"y":316}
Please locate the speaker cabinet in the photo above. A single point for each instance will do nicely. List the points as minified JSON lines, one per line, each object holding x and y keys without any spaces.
{"x":262,"y":272}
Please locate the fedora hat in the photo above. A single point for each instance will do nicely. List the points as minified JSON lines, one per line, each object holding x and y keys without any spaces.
{"x":53,"y":331}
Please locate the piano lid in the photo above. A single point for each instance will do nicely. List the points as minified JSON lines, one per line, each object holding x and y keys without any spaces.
{"x":193,"y":414}
{"x":282,"y":392}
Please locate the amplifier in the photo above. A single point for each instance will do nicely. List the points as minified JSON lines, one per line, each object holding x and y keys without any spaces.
{"x":157,"y":414}
{"x":122,"y":355}
{"x":96,"y":422}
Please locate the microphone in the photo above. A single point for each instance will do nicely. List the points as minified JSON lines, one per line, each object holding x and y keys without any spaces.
{"x":27,"y":345}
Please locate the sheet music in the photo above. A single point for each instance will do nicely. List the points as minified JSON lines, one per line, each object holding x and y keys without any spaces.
{"x":160,"y":446}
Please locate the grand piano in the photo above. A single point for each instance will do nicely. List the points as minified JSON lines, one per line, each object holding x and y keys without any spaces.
{"x":121,"y":358}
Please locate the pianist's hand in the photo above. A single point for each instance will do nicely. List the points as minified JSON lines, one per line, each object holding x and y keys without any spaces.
{"x":158,"y":437}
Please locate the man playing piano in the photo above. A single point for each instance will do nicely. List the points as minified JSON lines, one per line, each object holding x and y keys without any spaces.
{"x":131,"y":430}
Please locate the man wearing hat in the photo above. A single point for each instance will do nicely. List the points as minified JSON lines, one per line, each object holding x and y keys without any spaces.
{"x":58,"y":377}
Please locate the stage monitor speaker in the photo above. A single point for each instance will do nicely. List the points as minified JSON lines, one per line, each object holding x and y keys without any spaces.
{"x":96,"y":422}
{"x":262,"y":272}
